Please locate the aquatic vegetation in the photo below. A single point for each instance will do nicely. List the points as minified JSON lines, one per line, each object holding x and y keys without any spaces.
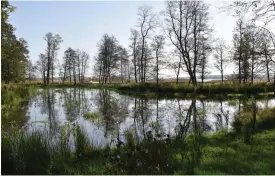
{"x":91,"y":115}
{"x":233,"y":102}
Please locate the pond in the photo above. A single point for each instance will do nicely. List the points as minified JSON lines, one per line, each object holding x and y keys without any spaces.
{"x":106,"y":115}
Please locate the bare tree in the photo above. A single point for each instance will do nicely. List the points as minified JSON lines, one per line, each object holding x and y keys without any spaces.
{"x":123,"y":59}
{"x":204,"y":50}
{"x":42,"y":66}
{"x":186,"y":24}
{"x":158,"y":46}
{"x":256,"y":9}
{"x":134,"y":38}
{"x":84,"y":64}
{"x":220,"y":54}
{"x":53,"y":42}
{"x":265,"y":50}
{"x":146,"y":22}
{"x":238,"y":38}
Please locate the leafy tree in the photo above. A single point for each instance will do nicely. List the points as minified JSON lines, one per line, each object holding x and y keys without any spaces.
{"x":14,"y":52}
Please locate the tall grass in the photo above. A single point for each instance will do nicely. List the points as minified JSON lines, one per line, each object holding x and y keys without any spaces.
{"x":36,"y":152}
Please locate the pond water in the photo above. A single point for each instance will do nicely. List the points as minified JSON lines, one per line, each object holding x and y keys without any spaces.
{"x":114,"y":114}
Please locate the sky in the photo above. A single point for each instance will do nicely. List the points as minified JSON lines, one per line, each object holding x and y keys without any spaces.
{"x":82,"y":24}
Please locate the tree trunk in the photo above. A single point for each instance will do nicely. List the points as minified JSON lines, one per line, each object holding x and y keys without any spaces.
{"x":52,"y":71}
{"x":157,"y":66}
{"x":267,"y":68}
{"x":222,"y":77}
{"x":121,"y":76}
{"x":135,"y":67}
{"x":48,"y":71}
{"x":178,"y":70}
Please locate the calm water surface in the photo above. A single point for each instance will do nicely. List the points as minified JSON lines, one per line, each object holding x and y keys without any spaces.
{"x":119,"y":113}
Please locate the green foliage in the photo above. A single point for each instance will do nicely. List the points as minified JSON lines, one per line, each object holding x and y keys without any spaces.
{"x":14,"y":52}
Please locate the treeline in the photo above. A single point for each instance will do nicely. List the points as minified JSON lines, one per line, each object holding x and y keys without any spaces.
{"x":184,"y":26}
{"x":73,"y":69}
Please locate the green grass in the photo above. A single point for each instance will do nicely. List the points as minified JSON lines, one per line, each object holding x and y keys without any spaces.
{"x":230,"y":156}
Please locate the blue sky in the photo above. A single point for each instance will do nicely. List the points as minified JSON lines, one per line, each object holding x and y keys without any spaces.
{"x":82,"y":24}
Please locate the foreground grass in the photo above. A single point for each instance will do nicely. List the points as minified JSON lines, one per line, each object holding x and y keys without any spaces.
{"x":220,"y":153}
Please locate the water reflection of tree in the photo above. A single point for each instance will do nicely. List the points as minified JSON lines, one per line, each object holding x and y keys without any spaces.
{"x":71,"y":104}
{"x":222,"y":114}
{"x":192,"y":121}
{"x":48,"y":107}
{"x":143,"y":113}
{"x":113,"y":110}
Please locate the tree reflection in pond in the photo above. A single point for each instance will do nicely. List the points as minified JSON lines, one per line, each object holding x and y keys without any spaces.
{"x":120,"y":113}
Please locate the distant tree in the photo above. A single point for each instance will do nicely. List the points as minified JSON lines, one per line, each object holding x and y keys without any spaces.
{"x":69,"y":66}
{"x":158,"y":46}
{"x":108,"y":57}
{"x":204,"y":51}
{"x":220,"y":54}
{"x":84,"y":64}
{"x":31,"y":69}
{"x":41,"y":65}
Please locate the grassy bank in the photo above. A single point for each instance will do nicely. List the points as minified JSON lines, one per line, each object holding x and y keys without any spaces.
{"x":247,"y":149}
{"x":181,"y":89}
